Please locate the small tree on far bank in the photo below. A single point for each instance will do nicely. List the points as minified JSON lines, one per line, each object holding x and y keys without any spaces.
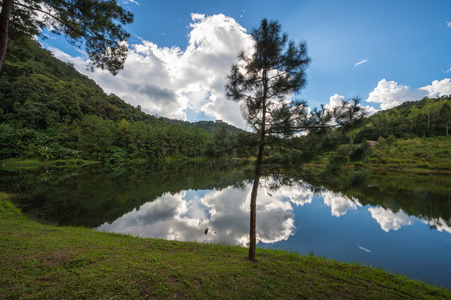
{"x":285,"y":132}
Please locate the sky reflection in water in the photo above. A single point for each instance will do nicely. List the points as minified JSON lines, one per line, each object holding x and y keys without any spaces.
{"x":294,"y":218}
{"x":186,"y":215}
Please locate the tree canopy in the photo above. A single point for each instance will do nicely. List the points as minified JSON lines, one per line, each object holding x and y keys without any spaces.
{"x":95,"y":25}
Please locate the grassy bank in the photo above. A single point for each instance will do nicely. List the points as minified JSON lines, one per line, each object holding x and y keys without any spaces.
{"x":413,"y":154}
{"x":417,"y":155}
{"x":40,"y":261}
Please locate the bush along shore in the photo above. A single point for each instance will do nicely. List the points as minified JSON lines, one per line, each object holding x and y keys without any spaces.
{"x":42,"y":261}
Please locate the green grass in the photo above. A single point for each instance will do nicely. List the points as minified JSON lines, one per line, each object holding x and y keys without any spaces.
{"x":41,"y":261}
{"x":418,"y":154}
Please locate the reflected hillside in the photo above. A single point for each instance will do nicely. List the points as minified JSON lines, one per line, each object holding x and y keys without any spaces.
{"x":396,"y":199}
{"x":93,"y":195}
{"x":161,"y":201}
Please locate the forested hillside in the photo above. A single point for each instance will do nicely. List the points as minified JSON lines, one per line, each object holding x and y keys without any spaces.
{"x":413,"y":135}
{"x":213,"y":127}
{"x":423,"y":118}
{"x":51,"y":111}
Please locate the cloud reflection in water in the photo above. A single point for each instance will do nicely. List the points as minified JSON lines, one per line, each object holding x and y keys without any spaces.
{"x":186,"y":215}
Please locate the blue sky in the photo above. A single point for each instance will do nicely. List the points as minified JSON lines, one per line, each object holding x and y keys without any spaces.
{"x":386,"y":52}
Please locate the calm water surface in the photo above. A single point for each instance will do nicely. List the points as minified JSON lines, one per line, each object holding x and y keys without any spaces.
{"x":400,"y":223}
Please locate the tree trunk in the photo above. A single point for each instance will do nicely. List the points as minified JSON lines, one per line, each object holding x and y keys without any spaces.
{"x":253,"y":212}
{"x":253,"y":220}
{"x":261,"y":149}
{"x":7,"y":7}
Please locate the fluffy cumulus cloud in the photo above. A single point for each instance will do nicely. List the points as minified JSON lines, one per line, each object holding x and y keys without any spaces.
{"x":172,"y":82}
{"x":390,"y":94}
{"x":388,"y":220}
{"x":339,"y":203}
{"x":336,"y":100}
{"x":225,"y":213}
{"x":439,"y":224}
{"x":296,"y":194}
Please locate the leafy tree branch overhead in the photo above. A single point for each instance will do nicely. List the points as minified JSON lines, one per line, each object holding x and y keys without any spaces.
{"x":97,"y":26}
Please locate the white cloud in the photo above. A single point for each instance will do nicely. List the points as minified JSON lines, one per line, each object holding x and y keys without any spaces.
{"x":364,"y":249}
{"x":296,"y":194}
{"x":338,"y":203}
{"x":438,"y":88}
{"x":225,"y":213}
{"x":170,"y":81}
{"x":131,"y":1}
{"x":335,"y":101}
{"x":448,"y":23}
{"x":389,"y":220}
{"x":361,"y":62}
{"x":390,"y":94}
{"x":439,"y":224}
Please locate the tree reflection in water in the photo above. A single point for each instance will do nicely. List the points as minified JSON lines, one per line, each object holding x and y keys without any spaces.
{"x":400,"y":222}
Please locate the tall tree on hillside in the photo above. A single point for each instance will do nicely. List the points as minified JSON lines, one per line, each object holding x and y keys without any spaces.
{"x":445,"y":115}
{"x":431,"y":109}
{"x":96,"y":24}
{"x":265,"y":82}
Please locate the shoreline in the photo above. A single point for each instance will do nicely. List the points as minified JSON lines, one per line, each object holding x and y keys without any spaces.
{"x":46,"y":261}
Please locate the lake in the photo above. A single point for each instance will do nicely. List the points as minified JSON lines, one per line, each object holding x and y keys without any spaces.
{"x":400,"y":222}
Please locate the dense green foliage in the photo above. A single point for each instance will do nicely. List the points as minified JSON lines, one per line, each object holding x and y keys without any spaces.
{"x":49,"y":262}
{"x":426,"y":117}
{"x":213,"y":127}
{"x":413,"y":135}
{"x":95,"y":25}
{"x":49,"y":110}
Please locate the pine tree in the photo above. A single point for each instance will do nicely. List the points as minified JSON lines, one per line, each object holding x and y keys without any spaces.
{"x":95,"y":24}
{"x":265,"y":83}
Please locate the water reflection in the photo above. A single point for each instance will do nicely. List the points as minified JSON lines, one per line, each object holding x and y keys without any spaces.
{"x":225,"y":213}
{"x":186,"y":216}
{"x":399,"y":222}
{"x":339,"y":203}
{"x":390,"y":220}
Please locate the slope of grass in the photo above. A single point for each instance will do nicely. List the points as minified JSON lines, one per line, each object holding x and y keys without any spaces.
{"x":418,"y":153}
{"x":41,"y":261}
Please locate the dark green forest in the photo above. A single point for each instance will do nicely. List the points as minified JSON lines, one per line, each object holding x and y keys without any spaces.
{"x":49,"y":110}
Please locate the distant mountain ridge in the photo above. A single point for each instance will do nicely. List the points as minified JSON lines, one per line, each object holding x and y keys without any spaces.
{"x":212,"y":127}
